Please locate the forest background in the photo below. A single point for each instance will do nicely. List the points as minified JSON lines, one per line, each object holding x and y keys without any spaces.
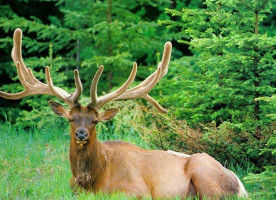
{"x":219,"y":90}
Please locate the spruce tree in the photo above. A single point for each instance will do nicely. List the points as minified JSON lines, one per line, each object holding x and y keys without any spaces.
{"x":234,"y":64}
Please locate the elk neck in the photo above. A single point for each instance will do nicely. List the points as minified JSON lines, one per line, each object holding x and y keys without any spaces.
{"x":91,"y":160}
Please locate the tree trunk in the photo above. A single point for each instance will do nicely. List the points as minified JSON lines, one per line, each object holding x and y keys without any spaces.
{"x":78,"y":54}
{"x":109,"y":48}
{"x":256,"y":74}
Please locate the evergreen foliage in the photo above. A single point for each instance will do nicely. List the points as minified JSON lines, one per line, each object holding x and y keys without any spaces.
{"x":233,"y":66}
{"x":85,"y":34}
{"x":266,"y":181}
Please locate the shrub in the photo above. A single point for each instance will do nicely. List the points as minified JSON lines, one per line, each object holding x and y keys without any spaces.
{"x":225,"y":143}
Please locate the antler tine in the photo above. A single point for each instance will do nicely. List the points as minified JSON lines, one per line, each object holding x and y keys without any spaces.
{"x":142,"y":90}
{"x":94,"y":84}
{"x":76,"y":95}
{"x":164,"y":64}
{"x":21,"y":76}
{"x":51,"y":86}
{"x":71,"y":100}
{"x":156,"y":104}
{"x":32,"y":85}
{"x":166,"y":57}
{"x":17,"y":55}
{"x":109,"y":97}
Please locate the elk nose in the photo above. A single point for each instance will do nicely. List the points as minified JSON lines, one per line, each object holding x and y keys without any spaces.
{"x":81,"y":135}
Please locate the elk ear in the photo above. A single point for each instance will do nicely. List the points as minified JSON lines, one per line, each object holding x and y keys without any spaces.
{"x":108,"y":114}
{"x":59,"y":109}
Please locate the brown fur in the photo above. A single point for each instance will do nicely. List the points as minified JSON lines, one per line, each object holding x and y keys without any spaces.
{"x":119,"y":166}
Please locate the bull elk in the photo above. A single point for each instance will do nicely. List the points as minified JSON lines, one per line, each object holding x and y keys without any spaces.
{"x":117,"y":166}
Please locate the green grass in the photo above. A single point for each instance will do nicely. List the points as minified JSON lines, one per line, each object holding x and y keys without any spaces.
{"x":34,"y":164}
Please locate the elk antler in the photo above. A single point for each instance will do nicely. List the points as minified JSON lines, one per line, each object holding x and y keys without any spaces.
{"x":99,"y":102}
{"x":141,"y":90}
{"x":32,"y":85}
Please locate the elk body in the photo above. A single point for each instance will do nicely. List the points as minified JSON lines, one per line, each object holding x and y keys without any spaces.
{"x":117,"y":166}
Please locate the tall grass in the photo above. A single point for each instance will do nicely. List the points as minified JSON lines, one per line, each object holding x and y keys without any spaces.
{"x":34,"y":163}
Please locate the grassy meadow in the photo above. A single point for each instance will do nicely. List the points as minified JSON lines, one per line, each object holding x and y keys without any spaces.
{"x":34,"y":164}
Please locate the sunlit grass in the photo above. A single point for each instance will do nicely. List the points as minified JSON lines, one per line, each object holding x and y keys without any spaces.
{"x":34,"y":164}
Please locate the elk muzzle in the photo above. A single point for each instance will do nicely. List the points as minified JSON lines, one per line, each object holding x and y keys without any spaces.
{"x":81,"y":135}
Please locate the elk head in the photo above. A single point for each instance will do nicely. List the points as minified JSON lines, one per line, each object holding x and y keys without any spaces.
{"x":84,"y":119}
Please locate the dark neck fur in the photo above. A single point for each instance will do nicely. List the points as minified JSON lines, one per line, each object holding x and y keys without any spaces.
{"x":87,"y":163}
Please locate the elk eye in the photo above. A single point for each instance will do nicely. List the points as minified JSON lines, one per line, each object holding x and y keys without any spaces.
{"x":71,"y":120}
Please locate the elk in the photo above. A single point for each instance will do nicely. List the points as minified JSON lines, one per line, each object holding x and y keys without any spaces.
{"x":117,"y":166}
